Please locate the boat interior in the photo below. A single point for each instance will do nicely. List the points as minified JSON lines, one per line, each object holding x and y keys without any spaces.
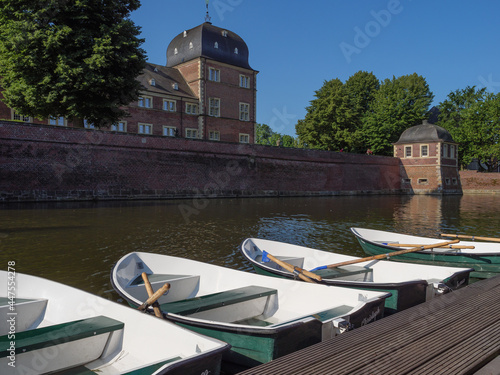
{"x":82,"y":341}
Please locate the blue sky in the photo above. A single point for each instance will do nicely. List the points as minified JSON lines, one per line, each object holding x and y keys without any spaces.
{"x":297,"y":45}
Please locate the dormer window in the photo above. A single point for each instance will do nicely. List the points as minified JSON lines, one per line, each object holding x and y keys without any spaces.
{"x":185,"y":33}
{"x":236,"y":51}
{"x":155,"y":69}
{"x":175,"y":86}
{"x":176,"y":51}
{"x":224,"y":33}
{"x":190,"y":45}
{"x":216,"y":45}
{"x":152,"y":82}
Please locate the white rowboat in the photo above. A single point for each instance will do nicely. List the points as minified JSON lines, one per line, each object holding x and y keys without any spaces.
{"x":48,"y":327}
{"x":409,"y":284}
{"x":261,"y":317}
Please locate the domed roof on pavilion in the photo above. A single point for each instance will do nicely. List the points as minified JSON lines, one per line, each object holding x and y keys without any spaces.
{"x":426,"y":132}
{"x":212,"y":42}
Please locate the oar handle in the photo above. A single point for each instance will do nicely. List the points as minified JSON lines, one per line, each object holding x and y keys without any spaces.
{"x":471,"y":237}
{"x":289,"y":268}
{"x":150,"y":292}
{"x":152,"y":299}
{"x":394,"y":253}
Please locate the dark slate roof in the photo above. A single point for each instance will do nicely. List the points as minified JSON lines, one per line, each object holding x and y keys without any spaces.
{"x":200,"y":42}
{"x":426,"y":132}
{"x":165,"y":78}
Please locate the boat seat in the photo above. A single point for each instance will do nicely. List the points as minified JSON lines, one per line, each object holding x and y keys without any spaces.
{"x":294,"y":261}
{"x":347,"y":272}
{"x":181,"y":286}
{"x":223,"y":299}
{"x":28,"y":312}
{"x":58,"y":334}
{"x":322,"y":316}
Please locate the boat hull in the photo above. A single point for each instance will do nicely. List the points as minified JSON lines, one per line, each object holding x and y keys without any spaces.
{"x":484,"y":264}
{"x":403,"y":295}
{"x":261,"y":318}
{"x":60,"y":328}
{"x":407,"y":286}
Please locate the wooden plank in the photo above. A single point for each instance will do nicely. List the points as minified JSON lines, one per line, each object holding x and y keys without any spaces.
{"x":459,"y":309}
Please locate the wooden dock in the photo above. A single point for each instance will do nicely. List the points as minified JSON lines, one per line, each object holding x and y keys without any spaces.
{"x":457,"y":333}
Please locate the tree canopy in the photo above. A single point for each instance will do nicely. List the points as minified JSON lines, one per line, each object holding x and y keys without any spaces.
{"x":77,"y":59}
{"x":266,"y":136}
{"x":398,"y":104}
{"x":334,"y":119}
{"x":472,"y":116}
{"x":363,"y":113}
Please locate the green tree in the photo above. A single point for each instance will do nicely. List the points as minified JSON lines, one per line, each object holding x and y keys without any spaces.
{"x":335,"y":117}
{"x":325,"y":124}
{"x":472,"y":116}
{"x":266,"y":136}
{"x":77,"y":59}
{"x":398,"y":104}
{"x":263,"y":134}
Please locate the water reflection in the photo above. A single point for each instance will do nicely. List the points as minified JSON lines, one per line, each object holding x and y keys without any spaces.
{"x":78,"y":243}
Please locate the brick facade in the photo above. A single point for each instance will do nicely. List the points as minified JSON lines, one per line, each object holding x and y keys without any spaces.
{"x":428,"y":160}
{"x":171,"y":93}
{"x":475,"y":182}
{"x":47,"y":163}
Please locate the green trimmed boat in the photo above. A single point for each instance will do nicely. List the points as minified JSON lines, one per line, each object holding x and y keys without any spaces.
{"x":484,"y":258}
{"x":409,"y":284}
{"x":262,"y":318}
{"x":50,"y":328}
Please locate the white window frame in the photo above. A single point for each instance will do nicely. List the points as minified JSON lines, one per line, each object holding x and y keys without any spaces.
{"x":406,"y":148}
{"x":144,"y":128}
{"x":169,"y":131}
{"x":214,"y":107}
{"x":191,"y":133}
{"x":57,"y":121}
{"x":446,"y":150}
{"x":426,"y":147}
{"x":244,"y":138}
{"x":120,"y":126}
{"x":169,"y":105}
{"x":214,"y":135}
{"x":145,"y":101}
{"x":192,"y":108}
{"x":244,"y":111}
{"x":213,"y":74}
{"x":244,"y":81}
{"x":452,"y":151}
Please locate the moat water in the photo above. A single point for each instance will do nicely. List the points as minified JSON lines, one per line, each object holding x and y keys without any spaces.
{"x":78,"y":243}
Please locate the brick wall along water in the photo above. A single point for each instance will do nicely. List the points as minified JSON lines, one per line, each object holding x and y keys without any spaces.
{"x":45,"y":163}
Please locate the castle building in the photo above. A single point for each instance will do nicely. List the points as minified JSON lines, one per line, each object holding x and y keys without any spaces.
{"x":428,"y":160}
{"x":206,"y":91}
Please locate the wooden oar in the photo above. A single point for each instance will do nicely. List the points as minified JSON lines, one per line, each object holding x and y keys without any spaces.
{"x":150,"y":301}
{"x":471,"y":237}
{"x":295,"y":270}
{"x":388,"y":255}
{"x":416,"y":245}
